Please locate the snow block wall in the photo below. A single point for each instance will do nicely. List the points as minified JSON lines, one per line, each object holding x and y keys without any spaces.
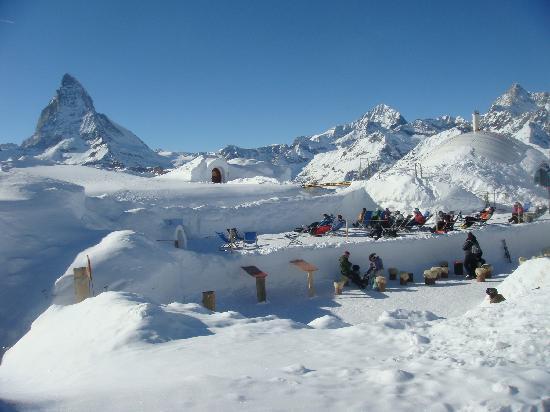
{"x":128,"y":261}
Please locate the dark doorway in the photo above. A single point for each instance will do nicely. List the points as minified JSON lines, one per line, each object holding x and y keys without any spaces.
{"x":216,"y":175}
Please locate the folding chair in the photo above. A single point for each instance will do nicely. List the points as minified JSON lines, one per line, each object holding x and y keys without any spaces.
{"x":250,"y":238}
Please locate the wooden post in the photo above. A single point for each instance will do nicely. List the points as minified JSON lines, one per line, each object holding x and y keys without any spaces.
{"x":260,"y":289}
{"x":347,"y":229}
{"x":309,"y":269}
{"x":209,"y":300}
{"x":81,"y":283}
{"x":260,"y":281}
{"x":310,"y":287}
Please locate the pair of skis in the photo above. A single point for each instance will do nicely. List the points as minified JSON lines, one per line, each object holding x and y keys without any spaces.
{"x":506,"y":251}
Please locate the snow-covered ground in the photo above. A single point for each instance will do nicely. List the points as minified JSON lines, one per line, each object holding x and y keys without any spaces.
{"x":144,"y":342}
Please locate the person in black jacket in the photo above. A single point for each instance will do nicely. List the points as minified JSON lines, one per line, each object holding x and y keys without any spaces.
{"x":472,"y":255}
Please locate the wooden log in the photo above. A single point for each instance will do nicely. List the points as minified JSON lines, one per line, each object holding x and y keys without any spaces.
{"x":81,"y":284}
{"x":392,"y":272}
{"x":437,"y":271}
{"x":260,"y":289}
{"x":310,"y":286}
{"x":430,"y":276}
{"x":480,"y":274}
{"x":338,"y":287}
{"x":489,"y":270}
{"x":381,"y":283}
{"x":209,"y":300}
{"x":403,"y":278}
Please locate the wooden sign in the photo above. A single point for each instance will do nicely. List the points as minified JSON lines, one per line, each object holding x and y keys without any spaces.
{"x":304,"y":266}
{"x":254,"y":271}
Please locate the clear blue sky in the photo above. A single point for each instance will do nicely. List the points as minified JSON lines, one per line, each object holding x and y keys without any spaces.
{"x":198,"y":75}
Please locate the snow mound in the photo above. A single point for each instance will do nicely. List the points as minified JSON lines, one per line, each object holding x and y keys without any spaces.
{"x":529,"y":276}
{"x":328,"y":322}
{"x":453,"y":171}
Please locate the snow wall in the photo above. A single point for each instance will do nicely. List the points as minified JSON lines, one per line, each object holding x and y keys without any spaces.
{"x":273,"y":215}
{"x":128,"y":261}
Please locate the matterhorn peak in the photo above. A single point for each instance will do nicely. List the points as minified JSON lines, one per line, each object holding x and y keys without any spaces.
{"x":69,"y":130}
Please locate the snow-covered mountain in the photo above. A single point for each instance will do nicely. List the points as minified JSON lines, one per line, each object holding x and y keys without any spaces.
{"x":522,"y":115}
{"x":70,"y":131}
{"x":382,"y":136}
{"x":372,"y":143}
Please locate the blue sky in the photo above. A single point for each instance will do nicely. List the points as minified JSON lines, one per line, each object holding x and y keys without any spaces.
{"x":199,"y":75}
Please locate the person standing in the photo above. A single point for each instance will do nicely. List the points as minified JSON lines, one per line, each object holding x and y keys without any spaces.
{"x":472,"y":255}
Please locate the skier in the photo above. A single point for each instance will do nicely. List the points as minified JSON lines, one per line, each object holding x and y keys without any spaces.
{"x":472,"y":255}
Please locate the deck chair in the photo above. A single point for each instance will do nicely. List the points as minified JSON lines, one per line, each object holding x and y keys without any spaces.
{"x":226,"y":241}
{"x":336,"y":227}
{"x":250,"y":238}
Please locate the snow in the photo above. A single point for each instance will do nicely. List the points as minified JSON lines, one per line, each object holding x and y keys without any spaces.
{"x":144,"y":342}
{"x":120,"y":351}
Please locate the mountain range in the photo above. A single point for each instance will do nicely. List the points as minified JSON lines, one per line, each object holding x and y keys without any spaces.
{"x":71,"y":131}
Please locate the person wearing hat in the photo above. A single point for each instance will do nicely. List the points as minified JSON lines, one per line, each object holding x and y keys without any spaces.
{"x":494,"y":296}
{"x":376,"y":268}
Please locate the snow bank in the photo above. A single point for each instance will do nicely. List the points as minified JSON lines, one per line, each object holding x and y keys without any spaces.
{"x":533,"y":274}
{"x":119,"y":351}
{"x":454,"y":171}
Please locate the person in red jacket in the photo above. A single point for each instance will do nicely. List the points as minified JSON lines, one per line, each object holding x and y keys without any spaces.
{"x":517,"y":213}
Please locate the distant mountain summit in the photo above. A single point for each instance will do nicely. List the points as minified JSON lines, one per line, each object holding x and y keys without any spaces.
{"x":382,"y":136}
{"x":70,"y":131}
{"x":520,"y":114}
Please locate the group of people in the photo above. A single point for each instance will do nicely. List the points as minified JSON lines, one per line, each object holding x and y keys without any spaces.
{"x":473,"y":259}
{"x":328,"y":223}
{"x":352,"y":272}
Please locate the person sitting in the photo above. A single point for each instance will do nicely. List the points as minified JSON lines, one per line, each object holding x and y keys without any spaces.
{"x":375,"y":218}
{"x":347,"y":270}
{"x":327,"y":220}
{"x":376,"y":233}
{"x":360,"y":218}
{"x":418,"y":218}
{"x":376,"y":268}
{"x":494,"y":296}
{"x":386,"y":218}
{"x":517,"y":213}
{"x":339,"y":223}
{"x":398,"y":218}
